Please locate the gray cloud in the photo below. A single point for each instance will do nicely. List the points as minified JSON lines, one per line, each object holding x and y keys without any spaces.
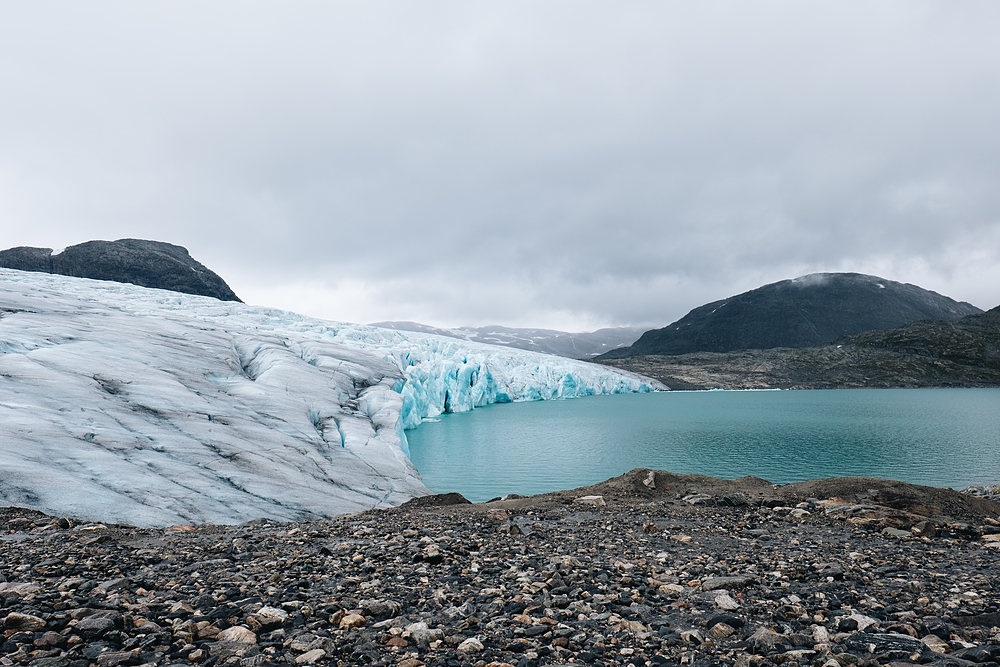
{"x":567,"y":164}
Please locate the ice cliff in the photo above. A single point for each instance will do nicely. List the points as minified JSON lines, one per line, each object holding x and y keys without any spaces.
{"x":120,"y":403}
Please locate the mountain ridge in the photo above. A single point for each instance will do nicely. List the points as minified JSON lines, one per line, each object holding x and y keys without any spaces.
{"x":803,"y":312}
{"x":927,"y":353}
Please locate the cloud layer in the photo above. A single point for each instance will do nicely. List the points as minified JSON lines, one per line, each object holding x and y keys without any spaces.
{"x":567,"y":164}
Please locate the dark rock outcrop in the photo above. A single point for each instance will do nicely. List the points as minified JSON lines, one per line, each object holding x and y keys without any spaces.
{"x":973,"y":340}
{"x":804,"y":312}
{"x":143,"y":263}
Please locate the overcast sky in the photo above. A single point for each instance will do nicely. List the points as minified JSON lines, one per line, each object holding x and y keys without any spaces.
{"x":566,"y":164}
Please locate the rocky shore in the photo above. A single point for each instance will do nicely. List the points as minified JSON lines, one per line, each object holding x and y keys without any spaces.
{"x":828,"y":367}
{"x":646,"y":569}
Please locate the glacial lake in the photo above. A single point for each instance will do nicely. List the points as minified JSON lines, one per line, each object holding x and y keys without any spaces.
{"x":935,"y":437}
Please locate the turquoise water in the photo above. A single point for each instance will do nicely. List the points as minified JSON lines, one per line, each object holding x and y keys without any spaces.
{"x":937,"y":437}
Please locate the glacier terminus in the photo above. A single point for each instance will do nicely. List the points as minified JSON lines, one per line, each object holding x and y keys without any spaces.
{"x":125,"y":404}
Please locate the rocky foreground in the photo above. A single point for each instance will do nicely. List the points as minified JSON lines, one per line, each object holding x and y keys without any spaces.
{"x":646,"y":569}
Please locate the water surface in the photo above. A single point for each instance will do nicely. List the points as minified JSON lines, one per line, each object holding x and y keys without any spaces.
{"x":937,"y":437}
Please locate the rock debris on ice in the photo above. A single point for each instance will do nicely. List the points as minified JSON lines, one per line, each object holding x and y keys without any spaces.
{"x":148,"y":407}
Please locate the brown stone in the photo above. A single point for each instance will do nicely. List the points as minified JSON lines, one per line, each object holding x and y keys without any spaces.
{"x":23,"y":622}
{"x":238,"y":634}
{"x":721,"y":630}
{"x":352,"y":621}
{"x":50,"y":639}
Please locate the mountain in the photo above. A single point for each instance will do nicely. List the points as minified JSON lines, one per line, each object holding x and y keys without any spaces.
{"x":561,"y":343}
{"x":119,"y":405}
{"x":804,"y":312}
{"x":143,"y":263}
{"x":928,"y":353}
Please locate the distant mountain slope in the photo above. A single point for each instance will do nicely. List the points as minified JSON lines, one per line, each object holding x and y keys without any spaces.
{"x":143,"y":263}
{"x":929,"y":353}
{"x":807,"y":311}
{"x":561,"y":343}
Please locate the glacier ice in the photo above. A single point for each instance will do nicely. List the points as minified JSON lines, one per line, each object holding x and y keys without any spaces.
{"x":120,"y":403}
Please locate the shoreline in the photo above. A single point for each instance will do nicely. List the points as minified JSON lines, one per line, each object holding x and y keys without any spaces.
{"x":648,"y":568}
{"x":825,"y":367}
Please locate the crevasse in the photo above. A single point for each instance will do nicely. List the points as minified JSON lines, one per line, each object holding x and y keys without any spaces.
{"x":448,"y":375}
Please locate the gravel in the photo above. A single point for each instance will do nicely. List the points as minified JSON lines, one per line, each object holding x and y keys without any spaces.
{"x":665,"y":572}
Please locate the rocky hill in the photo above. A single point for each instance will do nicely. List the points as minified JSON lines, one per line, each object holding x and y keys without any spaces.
{"x":143,"y":263}
{"x":573,"y":345}
{"x":930,"y":353}
{"x":804,"y":312}
{"x":973,"y":340}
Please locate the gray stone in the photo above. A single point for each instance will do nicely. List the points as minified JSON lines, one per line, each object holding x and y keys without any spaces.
{"x":225,"y":650}
{"x":951,"y":661}
{"x":835,"y":570}
{"x":19,"y":589}
{"x":311,"y":657}
{"x":52,"y":661}
{"x":115,"y":658}
{"x":986,"y":653}
{"x":471,"y":645}
{"x":96,"y":625}
{"x":422,"y":635}
{"x":737,"y":499}
{"x":884,"y":643}
{"x":734,"y":582}
{"x":118,"y":584}
{"x":897,"y":533}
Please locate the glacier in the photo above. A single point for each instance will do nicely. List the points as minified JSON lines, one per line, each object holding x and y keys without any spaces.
{"x":132,"y":405}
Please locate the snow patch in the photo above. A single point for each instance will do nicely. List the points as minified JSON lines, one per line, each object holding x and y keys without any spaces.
{"x":811,"y":280}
